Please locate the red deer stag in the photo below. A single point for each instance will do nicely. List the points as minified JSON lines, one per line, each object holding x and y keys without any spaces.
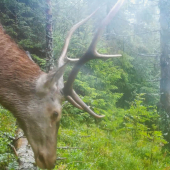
{"x":35,"y":97}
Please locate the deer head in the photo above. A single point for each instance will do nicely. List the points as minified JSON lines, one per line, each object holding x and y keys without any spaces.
{"x":35,"y":97}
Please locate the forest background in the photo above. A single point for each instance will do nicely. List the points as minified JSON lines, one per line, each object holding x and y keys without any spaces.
{"x":131,"y":91}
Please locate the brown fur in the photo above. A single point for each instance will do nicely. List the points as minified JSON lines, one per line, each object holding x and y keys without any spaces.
{"x":17,"y":73}
{"x":22,"y":84}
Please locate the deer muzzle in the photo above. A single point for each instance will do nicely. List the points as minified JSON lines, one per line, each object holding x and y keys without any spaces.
{"x":45,"y":160}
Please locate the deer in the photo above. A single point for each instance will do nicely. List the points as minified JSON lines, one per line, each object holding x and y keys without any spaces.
{"x":35,"y":97}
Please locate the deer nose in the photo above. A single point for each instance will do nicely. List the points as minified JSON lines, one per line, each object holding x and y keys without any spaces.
{"x":46,"y":161}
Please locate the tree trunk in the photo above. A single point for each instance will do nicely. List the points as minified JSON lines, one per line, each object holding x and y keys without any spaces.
{"x":24,"y":152}
{"x":49,"y":37}
{"x":165,"y":55}
{"x":165,"y":62}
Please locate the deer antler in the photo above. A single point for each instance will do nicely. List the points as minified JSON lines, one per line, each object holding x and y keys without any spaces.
{"x":67,"y":41}
{"x":90,"y":54}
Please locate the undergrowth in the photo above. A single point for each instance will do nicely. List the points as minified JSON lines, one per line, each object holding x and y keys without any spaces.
{"x":7,"y":130}
{"x":123,"y":140}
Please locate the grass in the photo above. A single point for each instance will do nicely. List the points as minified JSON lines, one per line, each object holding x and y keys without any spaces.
{"x":7,"y":128}
{"x":89,"y":147}
{"x":106,"y":150}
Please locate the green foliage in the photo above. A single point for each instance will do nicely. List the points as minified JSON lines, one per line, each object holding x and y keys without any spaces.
{"x":124,"y":139}
{"x":128,"y":139}
{"x":141,"y":122}
{"x":24,"y":21}
{"x":95,"y":85}
{"x":41,"y":62}
{"x":7,"y":130}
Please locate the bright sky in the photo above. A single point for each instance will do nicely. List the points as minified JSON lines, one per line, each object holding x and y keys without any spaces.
{"x":136,"y":1}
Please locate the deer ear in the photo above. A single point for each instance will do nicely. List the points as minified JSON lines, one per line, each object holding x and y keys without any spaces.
{"x":46,"y":81}
{"x":54,"y":76}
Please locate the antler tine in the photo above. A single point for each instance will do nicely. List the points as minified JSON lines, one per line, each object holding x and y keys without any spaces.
{"x":84,"y":106}
{"x":67,"y":41}
{"x":69,"y":98}
{"x":72,"y":59}
{"x":111,"y":14}
{"x":89,"y":55}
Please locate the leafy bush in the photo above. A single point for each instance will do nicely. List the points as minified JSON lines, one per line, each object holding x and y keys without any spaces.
{"x":124,"y":140}
{"x":7,"y":130}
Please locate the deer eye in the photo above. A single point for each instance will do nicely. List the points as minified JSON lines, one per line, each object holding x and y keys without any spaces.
{"x":55,"y":114}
